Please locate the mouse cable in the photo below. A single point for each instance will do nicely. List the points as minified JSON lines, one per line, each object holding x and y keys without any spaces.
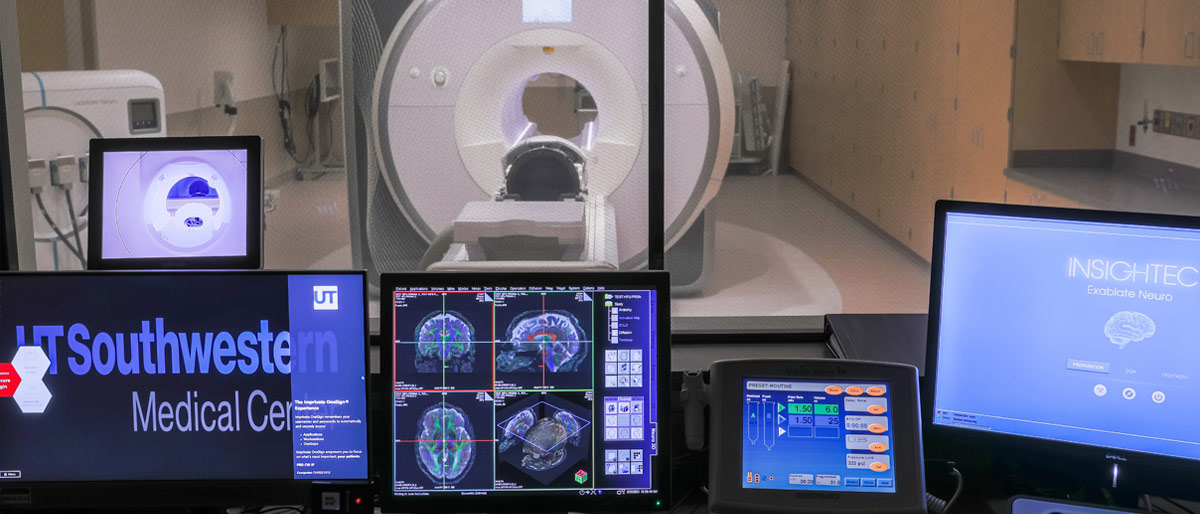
{"x":937,"y":505}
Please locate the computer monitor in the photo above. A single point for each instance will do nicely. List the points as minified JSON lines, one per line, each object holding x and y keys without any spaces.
{"x":180,"y":388}
{"x":176,"y":203}
{"x":530,"y":391}
{"x":1068,"y":330}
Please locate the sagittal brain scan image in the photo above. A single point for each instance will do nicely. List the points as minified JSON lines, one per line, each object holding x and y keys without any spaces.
{"x":542,"y":437}
{"x":1128,"y":327}
{"x":554,"y":339}
{"x":446,"y":443}
{"x":444,"y":343}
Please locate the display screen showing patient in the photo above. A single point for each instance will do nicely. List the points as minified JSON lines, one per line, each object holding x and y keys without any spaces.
{"x":1069,"y":330}
{"x":178,"y":203}
{"x":524,"y":390}
{"x":809,"y":435}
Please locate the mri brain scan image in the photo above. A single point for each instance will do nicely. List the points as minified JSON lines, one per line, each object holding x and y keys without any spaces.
{"x":543,"y":441}
{"x":535,"y":338}
{"x":446,"y":447}
{"x":1128,"y":327}
{"x":444,"y":342}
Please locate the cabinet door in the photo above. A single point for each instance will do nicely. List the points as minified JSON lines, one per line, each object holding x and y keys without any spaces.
{"x":1101,"y":30}
{"x":1172,"y":31}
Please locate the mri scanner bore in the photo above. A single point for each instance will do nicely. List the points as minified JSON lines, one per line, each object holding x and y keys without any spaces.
{"x":484,"y":184}
{"x":174,"y":203}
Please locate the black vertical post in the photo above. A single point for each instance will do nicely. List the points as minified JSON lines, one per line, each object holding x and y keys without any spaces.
{"x":657,"y":183}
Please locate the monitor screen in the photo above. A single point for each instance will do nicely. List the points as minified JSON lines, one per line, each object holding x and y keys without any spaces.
{"x":1060,"y":326}
{"x":544,"y":388}
{"x":838,"y":431}
{"x":175,"y":202}
{"x":133,"y":377}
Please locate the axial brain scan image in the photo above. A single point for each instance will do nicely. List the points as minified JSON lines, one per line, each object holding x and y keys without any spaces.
{"x":444,"y":343}
{"x":555,"y":338}
{"x":1128,"y":327}
{"x":446,"y":446}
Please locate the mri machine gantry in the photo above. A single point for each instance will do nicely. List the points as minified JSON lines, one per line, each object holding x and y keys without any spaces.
{"x":447,"y":118}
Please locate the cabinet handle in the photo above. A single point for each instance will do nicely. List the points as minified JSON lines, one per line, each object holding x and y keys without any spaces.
{"x":1091,"y":44}
{"x":1100,"y":44}
{"x":1188,"y":53}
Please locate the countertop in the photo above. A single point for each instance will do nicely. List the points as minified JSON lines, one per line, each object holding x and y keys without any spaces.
{"x":1128,"y":183}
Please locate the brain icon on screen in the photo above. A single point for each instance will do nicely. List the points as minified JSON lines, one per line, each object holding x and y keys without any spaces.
{"x":445,"y":443}
{"x":1127,"y":327}
{"x":556,"y":335}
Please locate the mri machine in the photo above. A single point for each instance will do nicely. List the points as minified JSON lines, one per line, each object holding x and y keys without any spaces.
{"x":460,"y":172}
{"x":64,"y":110}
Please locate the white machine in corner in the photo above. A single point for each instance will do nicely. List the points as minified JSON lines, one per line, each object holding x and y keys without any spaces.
{"x":64,"y":110}
{"x":458,"y":155}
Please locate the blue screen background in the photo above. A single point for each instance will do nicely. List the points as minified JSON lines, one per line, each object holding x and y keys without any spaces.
{"x":773,"y":460}
{"x":1013,"y":319}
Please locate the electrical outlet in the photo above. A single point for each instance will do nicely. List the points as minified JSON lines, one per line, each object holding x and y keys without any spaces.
{"x":223,"y":88}
{"x":1180,"y":124}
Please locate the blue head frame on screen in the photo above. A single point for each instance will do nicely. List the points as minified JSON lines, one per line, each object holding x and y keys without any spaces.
{"x":1106,"y":459}
{"x":253,"y":259}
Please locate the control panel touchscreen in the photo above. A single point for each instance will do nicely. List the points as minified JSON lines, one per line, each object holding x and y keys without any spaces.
{"x":817,"y":436}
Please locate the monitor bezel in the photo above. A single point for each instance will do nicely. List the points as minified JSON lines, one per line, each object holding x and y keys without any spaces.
{"x":187,"y":493}
{"x":254,"y":202}
{"x":1088,"y":453}
{"x":515,"y":501}
{"x":725,"y":439}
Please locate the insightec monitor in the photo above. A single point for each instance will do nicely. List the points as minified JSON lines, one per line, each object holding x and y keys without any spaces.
{"x":1067,"y":329}
{"x":176,"y":203}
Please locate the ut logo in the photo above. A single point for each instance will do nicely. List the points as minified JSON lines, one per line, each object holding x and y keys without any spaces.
{"x":325,"y":298}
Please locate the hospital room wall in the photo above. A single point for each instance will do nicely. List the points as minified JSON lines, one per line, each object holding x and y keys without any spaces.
{"x":896,"y":104}
{"x":182,"y":42}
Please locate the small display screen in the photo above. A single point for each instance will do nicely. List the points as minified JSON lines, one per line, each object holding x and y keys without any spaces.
{"x":546,"y":11}
{"x":142,"y":112}
{"x":525,"y":390}
{"x":817,"y":436}
{"x":178,"y":203}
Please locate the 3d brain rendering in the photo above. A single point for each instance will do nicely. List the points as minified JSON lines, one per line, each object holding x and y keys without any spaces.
{"x":444,"y":343}
{"x":1127,"y":327}
{"x":550,"y":338}
{"x":445,"y":443}
{"x":543,"y":433}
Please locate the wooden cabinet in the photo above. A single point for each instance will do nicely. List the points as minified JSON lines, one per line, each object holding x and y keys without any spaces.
{"x":1172,"y":32}
{"x":1102,"y":30}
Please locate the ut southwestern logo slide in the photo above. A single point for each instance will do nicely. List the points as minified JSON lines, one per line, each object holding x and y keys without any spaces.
{"x":325,"y":298}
